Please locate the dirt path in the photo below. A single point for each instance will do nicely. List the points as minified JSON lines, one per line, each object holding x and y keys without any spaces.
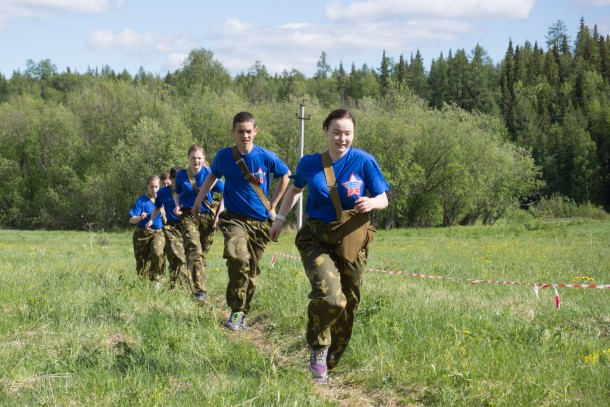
{"x":339,"y":390}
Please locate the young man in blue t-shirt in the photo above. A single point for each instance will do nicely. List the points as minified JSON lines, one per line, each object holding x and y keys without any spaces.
{"x":245,"y":223}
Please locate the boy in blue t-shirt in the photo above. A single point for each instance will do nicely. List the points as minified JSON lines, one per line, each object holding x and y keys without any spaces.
{"x":245,"y":223}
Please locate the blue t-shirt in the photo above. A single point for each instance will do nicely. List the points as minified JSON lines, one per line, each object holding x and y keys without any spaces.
{"x":166,"y":200}
{"x":357,"y":174}
{"x":188,"y":194}
{"x":239,"y":195}
{"x":144,"y":204}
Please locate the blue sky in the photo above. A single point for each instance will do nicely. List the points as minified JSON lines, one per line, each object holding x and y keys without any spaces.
{"x":283,"y":35}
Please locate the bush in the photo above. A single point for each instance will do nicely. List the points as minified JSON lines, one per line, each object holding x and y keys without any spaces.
{"x":559,"y":206}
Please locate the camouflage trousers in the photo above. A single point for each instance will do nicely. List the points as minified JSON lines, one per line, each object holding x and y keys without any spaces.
{"x":245,"y":242}
{"x":335,"y":290}
{"x":148,"y":251}
{"x":197,"y":236}
{"x":174,"y":252}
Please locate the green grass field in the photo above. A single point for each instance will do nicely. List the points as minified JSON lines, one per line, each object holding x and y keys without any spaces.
{"x":78,"y":328}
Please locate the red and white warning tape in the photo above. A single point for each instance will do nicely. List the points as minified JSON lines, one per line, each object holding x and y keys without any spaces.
{"x":537,"y":286}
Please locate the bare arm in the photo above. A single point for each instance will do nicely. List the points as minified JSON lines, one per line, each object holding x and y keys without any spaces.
{"x":177,"y":209}
{"x":277,"y":194}
{"x":206,"y":187}
{"x":154,"y":215}
{"x":135,"y":219}
{"x":365,"y":204}
{"x":221,"y":207}
{"x":290,"y":198}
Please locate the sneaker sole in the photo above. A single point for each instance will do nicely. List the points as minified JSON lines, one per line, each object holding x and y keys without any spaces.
{"x":230,"y":328}
{"x":319,"y":380}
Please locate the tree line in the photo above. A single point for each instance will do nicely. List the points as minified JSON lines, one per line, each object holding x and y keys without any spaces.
{"x":458,"y":144}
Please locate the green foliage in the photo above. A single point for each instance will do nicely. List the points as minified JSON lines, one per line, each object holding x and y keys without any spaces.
{"x":39,"y":142}
{"x":445,"y":167}
{"x":200,"y":72}
{"x":459,"y":144}
{"x":559,"y":206}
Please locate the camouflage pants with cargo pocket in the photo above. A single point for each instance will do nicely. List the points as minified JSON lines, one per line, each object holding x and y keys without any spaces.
{"x":197,"y":236}
{"x":245,"y":242}
{"x":148,"y":251}
{"x":335,"y":290}
{"x":174,"y":252}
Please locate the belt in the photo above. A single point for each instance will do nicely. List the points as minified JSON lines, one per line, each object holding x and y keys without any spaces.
{"x":242,"y":218}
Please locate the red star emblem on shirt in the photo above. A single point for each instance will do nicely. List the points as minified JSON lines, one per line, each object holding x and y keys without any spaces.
{"x":259,"y":175}
{"x":353,"y":185}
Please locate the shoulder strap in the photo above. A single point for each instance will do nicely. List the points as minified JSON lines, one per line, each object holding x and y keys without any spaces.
{"x":248,"y":176}
{"x":331,"y":183}
{"x":194,"y":185}
{"x":192,"y":179}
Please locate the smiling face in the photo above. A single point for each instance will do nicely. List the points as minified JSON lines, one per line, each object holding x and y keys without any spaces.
{"x":244,"y":133}
{"x":340,"y":134}
{"x":196,"y":160}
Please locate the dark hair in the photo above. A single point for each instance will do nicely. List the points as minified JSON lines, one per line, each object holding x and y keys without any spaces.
{"x":173,"y":171}
{"x":243,"y":117}
{"x":164,"y":176}
{"x":338,"y":114}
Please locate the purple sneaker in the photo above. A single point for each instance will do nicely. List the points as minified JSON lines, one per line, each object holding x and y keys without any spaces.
{"x":317,"y":364}
{"x":235,"y":321}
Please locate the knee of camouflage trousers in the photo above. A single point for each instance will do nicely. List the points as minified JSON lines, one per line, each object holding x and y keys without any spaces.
{"x":158,"y":247}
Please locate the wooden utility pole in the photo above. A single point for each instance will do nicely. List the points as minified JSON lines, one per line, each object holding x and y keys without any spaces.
{"x":302,"y":118}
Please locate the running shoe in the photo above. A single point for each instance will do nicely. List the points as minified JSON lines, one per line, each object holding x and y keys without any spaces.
{"x":317,"y":364}
{"x":235,"y":321}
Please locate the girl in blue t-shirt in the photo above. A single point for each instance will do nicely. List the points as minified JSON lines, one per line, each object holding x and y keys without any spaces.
{"x":148,"y":240}
{"x":335,"y":282}
{"x":197,"y":228}
{"x":174,"y":247}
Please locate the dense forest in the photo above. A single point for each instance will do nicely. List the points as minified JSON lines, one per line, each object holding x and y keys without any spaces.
{"x":459,"y":143}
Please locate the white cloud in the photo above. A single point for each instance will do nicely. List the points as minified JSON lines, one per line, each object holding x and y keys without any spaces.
{"x":174,"y":61}
{"x":172,"y":49}
{"x":13,"y":9}
{"x":294,"y":45}
{"x":128,"y":38}
{"x":373,"y":10}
